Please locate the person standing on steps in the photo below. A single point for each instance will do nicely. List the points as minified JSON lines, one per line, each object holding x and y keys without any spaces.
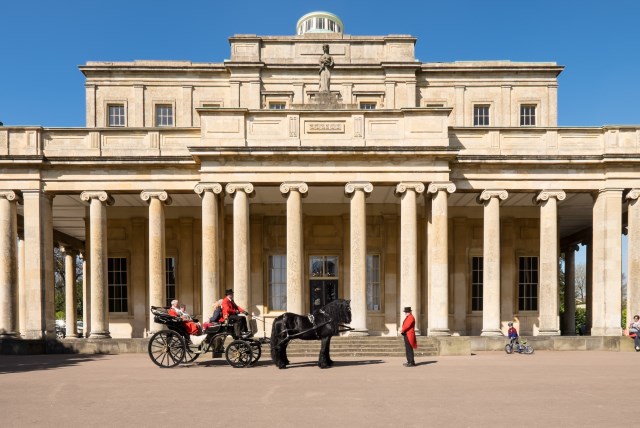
{"x":409,"y":333}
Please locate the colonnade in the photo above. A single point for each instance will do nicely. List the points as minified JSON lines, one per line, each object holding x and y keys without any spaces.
{"x":37,"y":271}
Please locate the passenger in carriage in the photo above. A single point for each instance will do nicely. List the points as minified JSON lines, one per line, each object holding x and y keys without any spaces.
{"x":176,"y":310}
{"x":231,"y":312}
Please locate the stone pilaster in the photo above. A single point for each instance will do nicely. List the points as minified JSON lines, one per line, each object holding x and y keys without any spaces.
{"x":409,"y":295}
{"x":86,"y":291}
{"x":22,"y":291}
{"x":607,"y":263}
{"x":157,"y":199}
{"x":294,"y":191}
{"x":570,"y":291}
{"x":39,"y":290}
{"x":70,"y":290}
{"x":491,"y":261}
{"x":548,"y":298}
{"x":633,"y":255}
{"x":439,"y":253}
{"x":8,"y":264}
{"x":98,"y":254}
{"x":358,"y":275}
{"x":241,"y":268}
{"x":210,"y":243}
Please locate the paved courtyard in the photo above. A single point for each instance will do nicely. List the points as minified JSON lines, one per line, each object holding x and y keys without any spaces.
{"x":488,"y":389}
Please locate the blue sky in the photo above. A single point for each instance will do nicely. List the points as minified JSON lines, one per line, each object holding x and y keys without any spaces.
{"x":44,"y":41}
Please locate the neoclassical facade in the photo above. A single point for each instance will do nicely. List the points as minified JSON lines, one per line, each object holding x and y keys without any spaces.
{"x":447,"y":187}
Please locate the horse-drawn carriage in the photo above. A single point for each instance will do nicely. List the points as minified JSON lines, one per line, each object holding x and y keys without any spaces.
{"x":170,"y":347}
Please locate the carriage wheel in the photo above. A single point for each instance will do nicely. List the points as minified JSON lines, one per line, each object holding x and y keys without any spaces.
{"x":239,"y":354}
{"x":191,"y":354}
{"x":166,"y":348}
{"x":256,"y":351}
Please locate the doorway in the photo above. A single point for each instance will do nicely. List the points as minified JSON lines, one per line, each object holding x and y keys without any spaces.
{"x":323,"y":280}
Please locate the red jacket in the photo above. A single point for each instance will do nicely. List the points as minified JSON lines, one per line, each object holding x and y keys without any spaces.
{"x":229,"y":308}
{"x":408,"y":328}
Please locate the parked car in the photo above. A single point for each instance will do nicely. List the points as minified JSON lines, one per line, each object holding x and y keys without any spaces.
{"x":80,"y":327}
{"x":61,"y":329}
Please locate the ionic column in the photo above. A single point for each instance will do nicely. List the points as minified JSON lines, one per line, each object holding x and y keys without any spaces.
{"x":358,"y":277}
{"x":8,"y":264}
{"x":70,"y":290}
{"x":408,"y":193}
{"x":548,"y":303}
{"x":210,"y":243}
{"x":570,"y":290}
{"x":157,"y":199}
{"x":607,"y":263}
{"x":86,"y":292}
{"x":241,"y":268}
{"x":439,"y":253}
{"x":491,"y":261}
{"x":633,"y":254}
{"x":294,"y":191}
{"x":99,"y":258}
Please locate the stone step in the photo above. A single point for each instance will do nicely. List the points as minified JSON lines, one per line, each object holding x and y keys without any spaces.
{"x":362,"y":354}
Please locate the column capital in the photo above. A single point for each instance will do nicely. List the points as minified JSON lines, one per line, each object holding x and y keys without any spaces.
{"x":486,"y":195}
{"x":232,"y":188}
{"x":100,"y":195}
{"x":201,"y":188}
{"x":544,"y":195}
{"x":299,"y":186}
{"x":11,"y":196}
{"x":437,"y":186}
{"x":633,"y":194}
{"x":161,"y":195}
{"x":402,"y":187}
{"x":352,"y":186}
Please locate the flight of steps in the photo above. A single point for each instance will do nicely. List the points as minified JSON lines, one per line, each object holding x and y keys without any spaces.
{"x":367,"y":346}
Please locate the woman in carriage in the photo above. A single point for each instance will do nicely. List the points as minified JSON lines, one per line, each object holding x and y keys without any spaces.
{"x":192,"y":327}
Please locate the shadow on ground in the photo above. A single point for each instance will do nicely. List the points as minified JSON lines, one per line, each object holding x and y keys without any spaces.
{"x":29,"y":363}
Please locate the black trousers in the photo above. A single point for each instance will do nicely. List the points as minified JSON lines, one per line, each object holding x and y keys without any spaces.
{"x":408,"y":349}
{"x":239,"y":324}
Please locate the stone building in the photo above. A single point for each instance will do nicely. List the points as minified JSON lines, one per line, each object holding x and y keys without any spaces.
{"x":447,"y":187}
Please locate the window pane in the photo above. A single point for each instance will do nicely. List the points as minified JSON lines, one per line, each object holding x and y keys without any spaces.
{"x":277,"y":287}
{"x":373,"y":283}
{"x":117,"y":284}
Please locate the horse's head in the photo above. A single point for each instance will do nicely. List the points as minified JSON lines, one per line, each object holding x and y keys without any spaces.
{"x":346,"y":312}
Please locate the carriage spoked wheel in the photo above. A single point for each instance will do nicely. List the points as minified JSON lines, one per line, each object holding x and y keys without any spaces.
{"x":166,"y":348}
{"x":239,"y":354}
{"x":191,"y":354}
{"x":256,"y":351}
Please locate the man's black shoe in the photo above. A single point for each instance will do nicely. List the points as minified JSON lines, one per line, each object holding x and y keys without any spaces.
{"x":409,"y":364}
{"x":247,"y":335}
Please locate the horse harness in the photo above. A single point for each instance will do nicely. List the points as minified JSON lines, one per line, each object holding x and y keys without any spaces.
{"x":313,"y":322}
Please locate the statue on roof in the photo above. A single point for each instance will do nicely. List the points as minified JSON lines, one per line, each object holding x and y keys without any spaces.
{"x":326,"y":64}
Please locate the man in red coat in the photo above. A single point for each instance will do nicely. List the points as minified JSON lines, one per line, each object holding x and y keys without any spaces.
{"x":231,"y":311}
{"x":409,"y":333}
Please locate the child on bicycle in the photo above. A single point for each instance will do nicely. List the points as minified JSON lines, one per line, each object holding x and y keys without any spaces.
{"x":513,"y":334}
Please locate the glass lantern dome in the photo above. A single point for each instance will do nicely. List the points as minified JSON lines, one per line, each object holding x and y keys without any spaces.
{"x":319,"y":22}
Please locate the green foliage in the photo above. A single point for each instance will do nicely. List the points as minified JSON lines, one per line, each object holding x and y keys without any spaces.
{"x":623,"y":321}
{"x":581,"y":319}
{"x":59,"y":315}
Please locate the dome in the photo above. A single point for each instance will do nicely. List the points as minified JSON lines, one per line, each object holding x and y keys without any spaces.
{"x":319,"y":22}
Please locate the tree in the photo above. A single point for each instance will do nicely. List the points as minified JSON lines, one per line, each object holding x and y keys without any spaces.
{"x":581,"y":283}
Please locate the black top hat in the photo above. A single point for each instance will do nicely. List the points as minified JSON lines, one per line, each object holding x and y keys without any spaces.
{"x":407,"y":309}
{"x":229,"y":291}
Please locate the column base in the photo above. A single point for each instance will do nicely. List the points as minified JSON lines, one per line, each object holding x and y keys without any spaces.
{"x":606,"y":331}
{"x":9,"y":335}
{"x":548,"y":332}
{"x":100,"y":335}
{"x":358,"y":332}
{"x":438,"y":332}
{"x":491,"y":332}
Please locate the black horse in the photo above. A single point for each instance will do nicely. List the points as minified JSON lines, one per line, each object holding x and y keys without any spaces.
{"x":323,"y":324}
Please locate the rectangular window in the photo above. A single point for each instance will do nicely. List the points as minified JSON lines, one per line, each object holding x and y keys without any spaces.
{"x":373,"y":283}
{"x":528,"y":284}
{"x":481,"y":115}
{"x":477,"y":273}
{"x":277,"y":105}
{"x":277,"y":283}
{"x":116,"y":115}
{"x":367,"y":106}
{"x":170,"y":276}
{"x":117,"y":284}
{"x":164,"y":115}
{"x":527,"y":115}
